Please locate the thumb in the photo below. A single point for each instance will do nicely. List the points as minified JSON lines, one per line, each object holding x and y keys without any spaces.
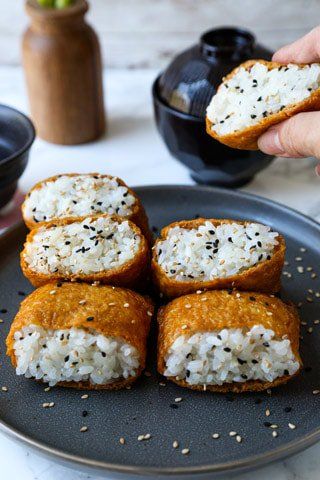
{"x":299,"y":136}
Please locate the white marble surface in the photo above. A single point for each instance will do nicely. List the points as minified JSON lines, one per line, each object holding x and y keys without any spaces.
{"x":133,"y":150}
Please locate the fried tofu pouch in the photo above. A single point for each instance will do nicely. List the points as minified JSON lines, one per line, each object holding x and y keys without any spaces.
{"x":263,"y":277}
{"x":247,"y":138}
{"x":138,"y":215}
{"x":113,"y":312}
{"x":217,"y":310}
{"x":131,"y":274}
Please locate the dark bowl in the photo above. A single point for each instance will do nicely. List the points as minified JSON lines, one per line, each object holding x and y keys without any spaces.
{"x":181,"y":95}
{"x":17,"y":134}
{"x":210,"y":162}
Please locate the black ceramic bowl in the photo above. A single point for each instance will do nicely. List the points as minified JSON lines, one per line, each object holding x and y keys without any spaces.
{"x":180,"y":97}
{"x":17,"y":134}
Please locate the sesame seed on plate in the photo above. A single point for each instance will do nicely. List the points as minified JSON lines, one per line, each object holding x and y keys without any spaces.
{"x":185,"y":451}
{"x":4,"y":389}
{"x":267,"y":413}
{"x":215,"y":435}
{"x":140,"y":438}
{"x":232,"y":433}
{"x":298,"y":259}
{"x":315,"y":392}
{"x":84,"y":396}
{"x":302,"y":249}
{"x":292,"y":426}
{"x":122,"y":441}
{"x":175,"y":444}
{"x":47,"y":389}
{"x":1,"y":321}
{"x":239,"y":438}
{"x":300,"y":269}
{"x":313,"y":275}
{"x":162,"y":384}
{"x":274,"y":434}
{"x":178,"y":399}
{"x":274,"y":425}
{"x":83,"y":429}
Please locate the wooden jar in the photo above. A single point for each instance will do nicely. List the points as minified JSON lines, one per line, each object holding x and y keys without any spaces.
{"x":62,"y":62}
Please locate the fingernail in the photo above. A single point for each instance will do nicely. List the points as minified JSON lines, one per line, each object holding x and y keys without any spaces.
{"x":269,"y":143}
{"x":317,"y":169}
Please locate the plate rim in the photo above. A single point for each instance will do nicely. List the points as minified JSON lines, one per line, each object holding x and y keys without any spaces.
{"x":253,"y":461}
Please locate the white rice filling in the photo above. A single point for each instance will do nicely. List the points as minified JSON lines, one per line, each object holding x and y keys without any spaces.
{"x":249,"y":96}
{"x":230,"y":355}
{"x":86,"y":247}
{"x":78,"y":196}
{"x":208,"y":252}
{"x":73,"y":355}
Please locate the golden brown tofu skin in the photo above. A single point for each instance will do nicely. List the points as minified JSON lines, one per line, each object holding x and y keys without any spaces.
{"x":247,"y":138}
{"x":131,"y":274}
{"x":113,"y":312}
{"x":215,"y":310}
{"x":138,"y":215}
{"x":263,"y":277}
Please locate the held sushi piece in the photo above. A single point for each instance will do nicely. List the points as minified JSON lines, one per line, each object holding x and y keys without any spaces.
{"x":228,"y":341}
{"x":77,"y":195}
{"x":81,"y":336}
{"x":210,"y":254}
{"x":257,"y":95}
{"x":105,"y":249}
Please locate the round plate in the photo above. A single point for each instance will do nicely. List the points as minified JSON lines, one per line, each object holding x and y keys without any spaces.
{"x":150,"y":407}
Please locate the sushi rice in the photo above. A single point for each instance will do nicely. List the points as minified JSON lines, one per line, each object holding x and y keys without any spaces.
{"x":78,"y":196}
{"x":73,"y":355}
{"x":251,"y":95}
{"x":209,"y":251}
{"x":86,"y":247}
{"x":230,"y":355}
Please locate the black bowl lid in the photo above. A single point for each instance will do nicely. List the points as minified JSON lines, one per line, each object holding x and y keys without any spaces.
{"x":191,"y":79}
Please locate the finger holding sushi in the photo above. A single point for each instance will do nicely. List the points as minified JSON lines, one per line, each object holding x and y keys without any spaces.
{"x":304,"y":50}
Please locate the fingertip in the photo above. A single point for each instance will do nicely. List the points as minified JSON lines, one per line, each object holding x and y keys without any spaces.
{"x":269,"y":143}
{"x":317,"y":170}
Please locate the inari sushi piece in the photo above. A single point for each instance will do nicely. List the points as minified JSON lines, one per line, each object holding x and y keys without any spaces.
{"x":228,"y":341}
{"x":105,"y":249}
{"x":258,"y":94}
{"x":75,"y":195}
{"x":209,"y":254}
{"x":81,"y":336}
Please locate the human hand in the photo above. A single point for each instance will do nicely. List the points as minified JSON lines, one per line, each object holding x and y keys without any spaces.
{"x":299,"y":136}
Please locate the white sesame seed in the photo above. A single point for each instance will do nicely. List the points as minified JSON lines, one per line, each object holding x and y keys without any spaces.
{"x":303,"y":323}
{"x":286,"y":263}
{"x":269,"y":314}
{"x":1,"y":321}
{"x":274,"y":434}
{"x":82,"y":302}
{"x":188,"y":305}
{"x":147,"y":436}
{"x":198,"y":292}
{"x":203,"y":299}
{"x":178,"y":399}
{"x":53,"y":292}
{"x":184,"y":327}
{"x":149,"y":313}
{"x":45,"y":405}
{"x":185,"y":451}
{"x":239,"y":438}
{"x":300,"y":269}
{"x":83,"y":429}
{"x":4,"y":389}
{"x":126,"y":305}
{"x":84,"y":396}
{"x":317,"y":294}
{"x":47,"y":389}
{"x":310,"y":330}
{"x":162,"y":384}
{"x":111,"y":304}
{"x":274,"y":425}
{"x":268,"y":412}
{"x":122,"y":441}
{"x":238,"y":295}
{"x":215,"y":435}
{"x":140,"y":438}
{"x":291,"y":426}
{"x":175,"y":444}
{"x":232,"y":433}
{"x":303,"y":249}
{"x":316,"y":392}
{"x":298,"y":259}
{"x":309,"y":269}
{"x":316,"y":322}
{"x":309,"y":299}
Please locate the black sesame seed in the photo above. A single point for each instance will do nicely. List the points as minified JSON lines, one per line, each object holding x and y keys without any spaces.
{"x":215,"y":250}
{"x":208,"y":247}
{"x":66,"y":359}
{"x":172,"y":271}
{"x":309,"y":89}
{"x":96,"y":243}
{"x":259,"y":99}
{"x":241,"y":91}
{"x":84,"y":413}
{"x":260,"y":257}
{"x":34,"y":209}
{"x":266,"y":344}
{"x":67,"y":242}
{"x":285,"y":372}
{"x":253,"y":299}
{"x":259,"y":244}
{"x":108,"y":237}
{"x":219,"y":337}
{"x":125,"y":194}
{"x":92,"y":207}
{"x":86,"y":227}
{"x":265,"y":113}
{"x":103,"y":354}
{"x":244,"y":376}
{"x":93,"y":229}
{"x":59,"y":284}
{"x":75,"y":202}
{"x":227,"y":349}
{"x":253,"y":116}
{"x":241,"y":362}
{"x":254,"y":361}
{"x":187,"y":373}
{"x":230,"y":239}
{"x":89,"y":319}
{"x":99,"y":203}
{"x":212,"y":232}
{"x":3,"y":310}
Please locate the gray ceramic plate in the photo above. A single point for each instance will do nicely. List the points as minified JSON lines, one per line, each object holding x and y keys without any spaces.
{"x":151,"y":408}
